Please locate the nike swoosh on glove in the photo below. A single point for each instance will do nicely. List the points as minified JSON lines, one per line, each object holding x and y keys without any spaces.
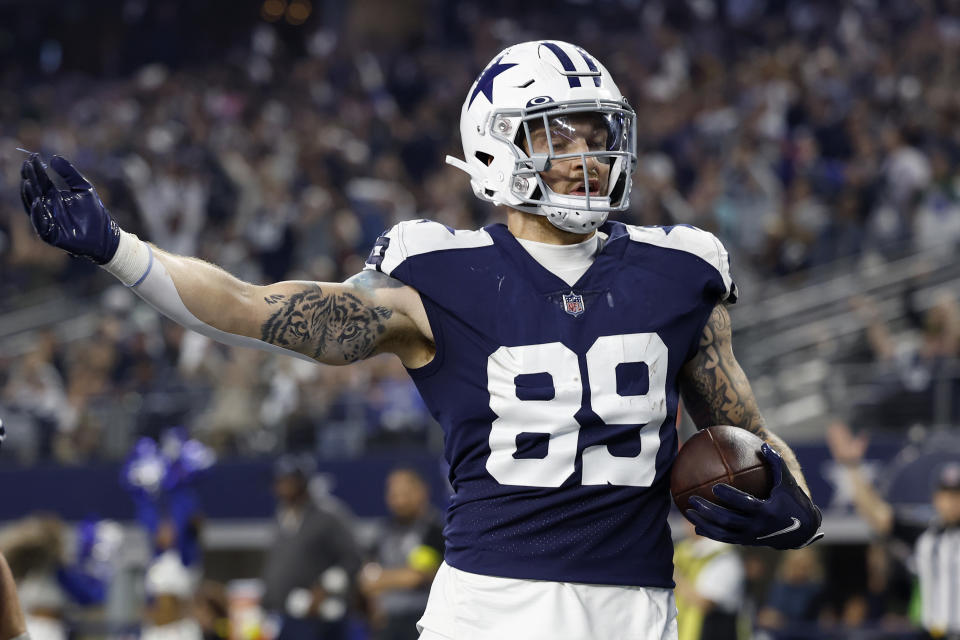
{"x":788,"y":519}
{"x":73,"y":219}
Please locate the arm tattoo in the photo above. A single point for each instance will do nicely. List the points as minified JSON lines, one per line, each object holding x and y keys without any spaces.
{"x":325,"y":326}
{"x":715,"y":389}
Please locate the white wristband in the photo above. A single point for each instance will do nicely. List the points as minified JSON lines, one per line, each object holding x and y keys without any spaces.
{"x":132,"y":261}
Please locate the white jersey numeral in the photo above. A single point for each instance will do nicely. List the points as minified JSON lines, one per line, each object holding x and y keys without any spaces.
{"x":553,"y":417}
{"x":555,"y":366}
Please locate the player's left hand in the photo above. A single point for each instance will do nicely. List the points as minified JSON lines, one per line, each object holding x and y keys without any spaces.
{"x":72,"y":219}
{"x":788,"y":519}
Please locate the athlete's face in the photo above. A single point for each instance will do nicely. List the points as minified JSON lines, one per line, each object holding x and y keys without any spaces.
{"x":289,"y":489}
{"x":406,"y":495}
{"x":575,"y":133}
{"x":946,"y":502}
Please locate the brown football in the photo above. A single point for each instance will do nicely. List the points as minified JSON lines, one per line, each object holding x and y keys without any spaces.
{"x":719,"y":454}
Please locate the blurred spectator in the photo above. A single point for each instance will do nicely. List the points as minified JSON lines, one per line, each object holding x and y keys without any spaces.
{"x":35,"y":550}
{"x":408,"y":553}
{"x":886,"y":599}
{"x":211,"y":610}
{"x":88,"y":577}
{"x":54,"y":579}
{"x":865,"y":592}
{"x":312,"y":562}
{"x":44,"y":606}
{"x":710,"y":579}
{"x":37,"y":400}
{"x":795,"y":596}
{"x":162,"y":482}
{"x":232,"y":415}
{"x":936,"y":547}
{"x":937,"y":219}
{"x":12,"y":625}
{"x":911,"y":365}
{"x":169,"y":589}
{"x":400,"y":418}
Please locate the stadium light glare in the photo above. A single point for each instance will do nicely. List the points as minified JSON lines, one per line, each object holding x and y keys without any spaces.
{"x":299,"y":11}
{"x":273,"y":10}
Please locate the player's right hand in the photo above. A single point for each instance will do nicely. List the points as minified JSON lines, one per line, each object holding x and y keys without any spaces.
{"x":740,"y":518}
{"x":73,"y":219}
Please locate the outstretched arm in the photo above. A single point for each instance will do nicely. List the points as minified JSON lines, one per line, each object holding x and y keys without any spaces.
{"x":715,"y":389}
{"x":334,"y":323}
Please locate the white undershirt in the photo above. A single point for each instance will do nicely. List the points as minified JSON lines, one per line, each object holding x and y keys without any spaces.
{"x":566,"y":261}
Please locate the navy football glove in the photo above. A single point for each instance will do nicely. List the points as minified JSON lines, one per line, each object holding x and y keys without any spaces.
{"x":73,"y":219}
{"x":788,"y":519}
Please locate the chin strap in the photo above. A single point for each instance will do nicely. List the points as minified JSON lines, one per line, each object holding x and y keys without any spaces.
{"x":466,"y":168}
{"x":558,"y":216}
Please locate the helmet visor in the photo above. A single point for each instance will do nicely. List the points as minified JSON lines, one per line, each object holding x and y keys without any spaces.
{"x":575,"y":133}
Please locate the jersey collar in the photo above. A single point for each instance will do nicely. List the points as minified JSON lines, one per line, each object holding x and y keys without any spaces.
{"x":546,"y":282}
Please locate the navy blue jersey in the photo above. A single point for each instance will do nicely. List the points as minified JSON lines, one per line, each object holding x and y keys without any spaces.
{"x":559,"y":403}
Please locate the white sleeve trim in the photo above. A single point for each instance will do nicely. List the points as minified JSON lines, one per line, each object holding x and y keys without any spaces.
{"x":392,"y":259}
{"x":692,"y":240}
{"x":417,"y":237}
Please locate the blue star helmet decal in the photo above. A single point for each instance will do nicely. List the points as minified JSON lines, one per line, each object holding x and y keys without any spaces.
{"x":485,"y":83}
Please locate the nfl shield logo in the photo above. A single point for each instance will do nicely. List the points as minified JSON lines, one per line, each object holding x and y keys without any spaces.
{"x":573,"y":303}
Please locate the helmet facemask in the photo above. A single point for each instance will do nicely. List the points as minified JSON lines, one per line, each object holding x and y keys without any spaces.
{"x":600,"y":141}
{"x":544,"y":136}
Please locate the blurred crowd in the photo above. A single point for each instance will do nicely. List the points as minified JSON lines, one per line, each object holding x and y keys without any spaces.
{"x":323,"y":575}
{"x":801,"y":132}
{"x":327,"y":574}
{"x":912,"y":376}
{"x":137,"y":374}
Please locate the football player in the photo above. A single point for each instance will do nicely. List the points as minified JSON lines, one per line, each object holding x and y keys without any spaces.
{"x":553,"y":351}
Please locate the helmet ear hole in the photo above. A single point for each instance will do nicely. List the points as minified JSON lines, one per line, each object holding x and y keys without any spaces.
{"x":485,"y":158}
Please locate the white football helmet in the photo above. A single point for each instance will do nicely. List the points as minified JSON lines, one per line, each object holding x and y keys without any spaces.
{"x":553,"y":88}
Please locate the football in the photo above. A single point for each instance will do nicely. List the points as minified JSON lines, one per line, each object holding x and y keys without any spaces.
{"x":719,"y":454}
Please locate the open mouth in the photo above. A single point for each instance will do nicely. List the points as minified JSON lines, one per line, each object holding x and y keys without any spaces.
{"x":581,"y":189}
